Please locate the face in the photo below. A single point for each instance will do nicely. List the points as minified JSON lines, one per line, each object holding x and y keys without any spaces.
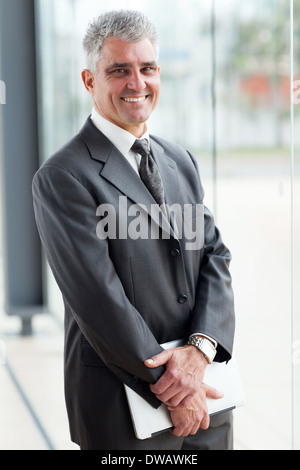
{"x":126,"y":88}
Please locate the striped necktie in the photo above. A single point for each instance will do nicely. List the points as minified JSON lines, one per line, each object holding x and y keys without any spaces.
{"x":148,"y":170}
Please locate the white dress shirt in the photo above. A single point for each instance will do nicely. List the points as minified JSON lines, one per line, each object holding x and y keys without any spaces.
{"x":121,"y":138}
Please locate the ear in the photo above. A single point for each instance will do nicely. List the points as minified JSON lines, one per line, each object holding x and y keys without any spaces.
{"x":89,"y":81}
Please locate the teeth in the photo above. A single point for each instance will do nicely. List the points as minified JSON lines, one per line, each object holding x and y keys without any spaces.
{"x":134,"y":100}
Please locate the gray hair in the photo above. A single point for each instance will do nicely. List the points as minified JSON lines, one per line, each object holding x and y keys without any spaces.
{"x":131,"y":26}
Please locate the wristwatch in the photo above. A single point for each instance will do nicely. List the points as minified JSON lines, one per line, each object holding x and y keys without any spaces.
{"x":205,"y":346}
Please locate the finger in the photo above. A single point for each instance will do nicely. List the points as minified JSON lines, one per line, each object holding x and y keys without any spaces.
{"x":167,"y":384}
{"x":213,"y":393}
{"x":195,"y":428}
{"x":181,"y":430}
{"x":168,"y":390}
{"x":172,"y":382}
{"x":179,"y":401}
{"x":182,"y":400}
{"x":163,"y":390}
{"x":205,"y":421}
{"x":176,"y":431}
{"x":158,"y":359}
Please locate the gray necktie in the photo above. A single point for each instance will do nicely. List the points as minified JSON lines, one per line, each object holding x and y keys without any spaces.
{"x":148,"y":170}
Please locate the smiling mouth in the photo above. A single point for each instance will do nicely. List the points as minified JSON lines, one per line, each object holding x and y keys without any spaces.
{"x":135,"y":99}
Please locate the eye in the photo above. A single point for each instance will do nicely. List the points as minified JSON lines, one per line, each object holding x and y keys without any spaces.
{"x":149,"y":70}
{"x":119,"y":71}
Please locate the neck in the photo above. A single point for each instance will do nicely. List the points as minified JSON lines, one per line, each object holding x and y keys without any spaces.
{"x":137,"y":130}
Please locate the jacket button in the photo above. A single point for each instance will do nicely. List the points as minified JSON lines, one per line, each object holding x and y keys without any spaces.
{"x":182,"y":299}
{"x":175,"y":252}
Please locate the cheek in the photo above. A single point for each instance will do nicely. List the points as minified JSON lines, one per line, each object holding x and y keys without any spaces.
{"x":105,"y":98}
{"x":157,"y":93}
{"x":155,"y":87}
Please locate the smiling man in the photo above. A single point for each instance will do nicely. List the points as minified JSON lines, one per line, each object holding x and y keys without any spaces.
{"x":125,"y":295}
{"x":126,"y":87}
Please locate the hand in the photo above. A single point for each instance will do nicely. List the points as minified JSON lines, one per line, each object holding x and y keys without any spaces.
{"x":185,"y":367}
{"x":189,"y":419}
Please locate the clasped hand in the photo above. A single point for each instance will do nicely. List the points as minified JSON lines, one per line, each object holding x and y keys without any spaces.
{"x":182,"y":389}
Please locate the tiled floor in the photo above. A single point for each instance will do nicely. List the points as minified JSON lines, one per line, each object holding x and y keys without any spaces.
{"x":32,"y":406}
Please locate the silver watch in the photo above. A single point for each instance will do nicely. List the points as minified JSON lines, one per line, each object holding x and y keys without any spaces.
{"x":205,"y":346}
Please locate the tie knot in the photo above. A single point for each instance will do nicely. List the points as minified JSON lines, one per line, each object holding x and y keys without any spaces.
{"x":141,"y":146}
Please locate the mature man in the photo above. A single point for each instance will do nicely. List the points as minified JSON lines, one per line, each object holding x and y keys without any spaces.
{"x":130,"y":274}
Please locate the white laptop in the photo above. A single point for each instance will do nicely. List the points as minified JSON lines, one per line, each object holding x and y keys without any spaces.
{"x":149,"y":421}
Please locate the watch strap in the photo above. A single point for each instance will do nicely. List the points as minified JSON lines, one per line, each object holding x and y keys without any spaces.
{"x":205,"y":346}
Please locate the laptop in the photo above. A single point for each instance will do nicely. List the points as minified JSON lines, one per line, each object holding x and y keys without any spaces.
{"x":149,"y":421}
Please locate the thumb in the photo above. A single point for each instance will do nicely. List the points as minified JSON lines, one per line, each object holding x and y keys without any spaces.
{"x":213,"y":393}
{"x":158,"y":359}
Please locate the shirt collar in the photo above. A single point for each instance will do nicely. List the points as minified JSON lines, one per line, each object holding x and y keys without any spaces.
{"x":121,"y":138}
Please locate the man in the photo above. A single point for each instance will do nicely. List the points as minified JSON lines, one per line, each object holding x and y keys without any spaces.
{"x":131,"y":276}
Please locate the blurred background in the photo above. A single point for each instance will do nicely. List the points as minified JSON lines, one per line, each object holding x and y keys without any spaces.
{"x":229,"y":95}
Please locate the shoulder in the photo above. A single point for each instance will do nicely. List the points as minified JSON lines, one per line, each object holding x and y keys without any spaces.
{"x":68,"y":155}
{"x":74,"y":158}
{"x":168,"y":145}
{"x":175,"y":151}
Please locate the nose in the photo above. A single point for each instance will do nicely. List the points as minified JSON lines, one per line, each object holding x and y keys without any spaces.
{"x":136,"y":81}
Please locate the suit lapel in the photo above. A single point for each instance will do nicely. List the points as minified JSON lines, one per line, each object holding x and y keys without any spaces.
{"x":119,"y":172}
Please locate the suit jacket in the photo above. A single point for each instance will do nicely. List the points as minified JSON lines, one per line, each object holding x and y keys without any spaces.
{"x":125,"y":295}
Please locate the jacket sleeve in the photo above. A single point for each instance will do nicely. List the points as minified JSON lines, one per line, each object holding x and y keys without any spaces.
{"x":213,"y":312}
{"x":66,"y":219}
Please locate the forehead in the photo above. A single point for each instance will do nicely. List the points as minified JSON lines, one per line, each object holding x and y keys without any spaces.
{"x":116,"y":50}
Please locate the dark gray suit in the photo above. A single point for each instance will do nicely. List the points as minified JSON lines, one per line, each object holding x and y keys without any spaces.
{"x":125,"y":296}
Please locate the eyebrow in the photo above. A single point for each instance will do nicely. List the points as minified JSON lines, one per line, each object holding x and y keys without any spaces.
{"x":120,"y":65}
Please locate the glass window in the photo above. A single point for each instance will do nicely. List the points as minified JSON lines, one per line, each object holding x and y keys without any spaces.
{"x":295,"y":117}
{"x":253,"y":205}
{"x":226,"y":97}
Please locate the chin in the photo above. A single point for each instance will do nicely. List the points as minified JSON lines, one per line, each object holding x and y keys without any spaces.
{"x":139,"y":119}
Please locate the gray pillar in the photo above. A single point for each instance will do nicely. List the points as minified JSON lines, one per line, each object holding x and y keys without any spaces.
{"x":22,"y":250}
